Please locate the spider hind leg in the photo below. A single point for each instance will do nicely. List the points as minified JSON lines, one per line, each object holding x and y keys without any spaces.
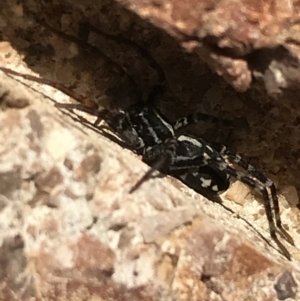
{"x":262,"y":188}
{"x":266,"y":182}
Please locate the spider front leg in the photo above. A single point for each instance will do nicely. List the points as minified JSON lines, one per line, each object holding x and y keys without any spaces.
{"x":159,"y":157}
{"x":81,"y":99}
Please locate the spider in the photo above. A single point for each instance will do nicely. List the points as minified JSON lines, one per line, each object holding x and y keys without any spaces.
{"x":201,"y":165}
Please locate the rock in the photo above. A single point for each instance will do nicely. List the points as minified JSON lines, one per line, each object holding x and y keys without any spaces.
{"x":69,"y":229}
{"x":239,"y":40}
{"x":285,"y":286}
{"x":237,"y":192}
{"x":290,"y":194}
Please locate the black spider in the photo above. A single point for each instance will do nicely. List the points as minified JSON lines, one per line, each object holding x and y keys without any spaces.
{"x":201,"y":165}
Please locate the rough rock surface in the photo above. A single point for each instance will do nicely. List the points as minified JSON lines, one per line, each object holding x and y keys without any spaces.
{"x":69,"y":230}
{"x":238,"y":39}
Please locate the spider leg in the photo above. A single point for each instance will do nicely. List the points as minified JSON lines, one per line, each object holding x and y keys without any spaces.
{"x":81,"y":99}
{"x":165,"y":152}
{"x":263,"y":179}
{"x":100,"y":114}
{"x":148,"y":174}
{"x":197,"y":117}
{"x":263,"y":189}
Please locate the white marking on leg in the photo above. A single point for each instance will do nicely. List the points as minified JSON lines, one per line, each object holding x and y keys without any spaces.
{"x":190,"y":139}
{"x":206,"y":156}
{"x":207,"y":146}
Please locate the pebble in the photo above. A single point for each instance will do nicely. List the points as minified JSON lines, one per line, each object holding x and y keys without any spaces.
{"x":290,"y":193}
{"x":237,"y":192}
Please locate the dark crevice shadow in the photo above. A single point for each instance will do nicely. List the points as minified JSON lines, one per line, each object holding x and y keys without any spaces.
{"x":129,"y":37}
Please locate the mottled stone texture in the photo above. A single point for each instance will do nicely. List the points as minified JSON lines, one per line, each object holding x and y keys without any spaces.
{"x":69,"y":229}
{"x":238,"y":39}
